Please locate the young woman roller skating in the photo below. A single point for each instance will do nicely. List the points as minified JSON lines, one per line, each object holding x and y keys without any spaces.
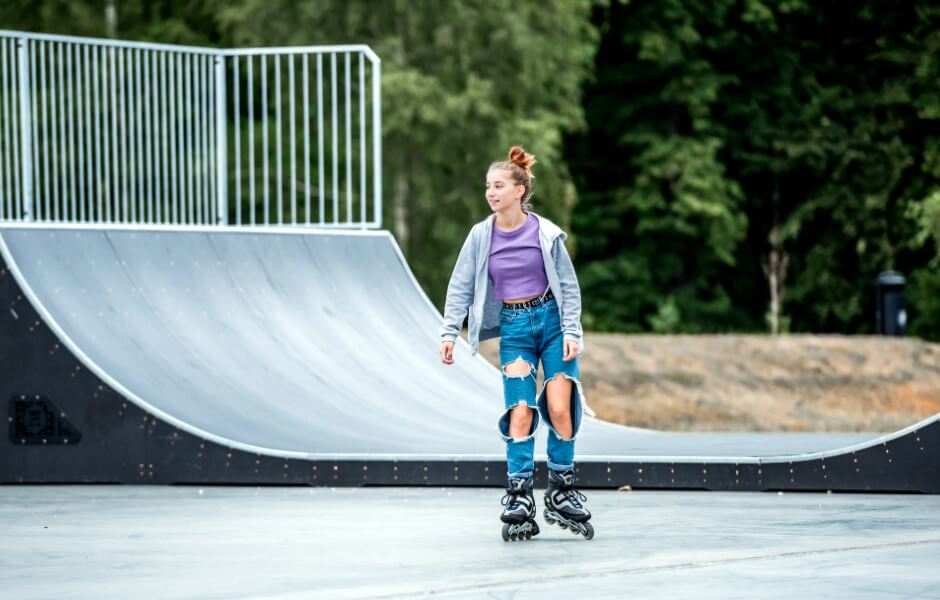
{"x":516,"y":280}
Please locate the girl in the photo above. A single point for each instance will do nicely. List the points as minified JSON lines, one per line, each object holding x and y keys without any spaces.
{"x":516,"y":279}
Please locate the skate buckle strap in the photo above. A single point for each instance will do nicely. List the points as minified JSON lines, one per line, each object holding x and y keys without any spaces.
{"x":573,"y":496}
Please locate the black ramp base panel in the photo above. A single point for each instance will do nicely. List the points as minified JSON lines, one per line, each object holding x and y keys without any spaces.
{"x":310,"y":358}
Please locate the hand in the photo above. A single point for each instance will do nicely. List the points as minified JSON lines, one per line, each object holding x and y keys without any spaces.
{"x":447,"y":353}
{"x":571,"y":350}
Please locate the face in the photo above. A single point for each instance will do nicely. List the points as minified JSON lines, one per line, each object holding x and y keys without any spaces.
{"x":502,"y":192}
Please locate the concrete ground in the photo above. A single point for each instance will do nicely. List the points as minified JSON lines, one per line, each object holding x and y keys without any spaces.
{"x":226,"y":542}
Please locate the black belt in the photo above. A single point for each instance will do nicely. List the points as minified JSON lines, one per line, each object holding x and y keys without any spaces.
{"x":531,"y":303}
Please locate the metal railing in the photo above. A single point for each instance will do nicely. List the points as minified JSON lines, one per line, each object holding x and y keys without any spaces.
{"x":101,"y":131}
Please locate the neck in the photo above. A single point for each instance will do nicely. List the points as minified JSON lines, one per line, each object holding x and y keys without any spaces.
{"x":511,"y":220}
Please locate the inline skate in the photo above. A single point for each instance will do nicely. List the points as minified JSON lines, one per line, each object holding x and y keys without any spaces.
{"x":564,"y":505}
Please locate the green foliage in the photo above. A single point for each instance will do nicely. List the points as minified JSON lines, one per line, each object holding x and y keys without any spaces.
{"x":672,"y":137}
{"x":734,"y":118}
{"x":667,"y":318}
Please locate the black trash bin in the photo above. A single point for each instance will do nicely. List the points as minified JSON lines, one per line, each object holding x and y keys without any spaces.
{"x":890,"y":316}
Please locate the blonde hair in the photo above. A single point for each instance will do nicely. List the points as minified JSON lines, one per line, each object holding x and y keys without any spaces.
{"x":519,"y":166}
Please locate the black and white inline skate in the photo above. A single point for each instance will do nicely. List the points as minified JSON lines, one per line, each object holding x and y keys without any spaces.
{"x":519,"y":515}
{"x":564,"y":505}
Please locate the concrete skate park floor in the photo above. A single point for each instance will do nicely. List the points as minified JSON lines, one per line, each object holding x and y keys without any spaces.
{"x":245,"y":542}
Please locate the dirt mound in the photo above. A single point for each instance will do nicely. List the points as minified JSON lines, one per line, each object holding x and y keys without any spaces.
{"x":758,"y":383}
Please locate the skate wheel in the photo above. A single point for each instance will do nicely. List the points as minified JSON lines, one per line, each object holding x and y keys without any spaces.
{"x":549,"y":520}
{"x":528,"y":535}
{"x":506,"y":532}
{"x":563,"y":526}
{"x":589,"y":534}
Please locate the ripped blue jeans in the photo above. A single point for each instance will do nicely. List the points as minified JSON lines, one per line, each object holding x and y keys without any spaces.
{"x":532,"y":335}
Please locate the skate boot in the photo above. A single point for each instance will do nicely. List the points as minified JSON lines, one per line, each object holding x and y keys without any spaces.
{"x":519,"y":515}
{"x":563,"y":504}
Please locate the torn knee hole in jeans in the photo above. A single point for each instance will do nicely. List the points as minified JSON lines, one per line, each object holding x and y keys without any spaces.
{"x":574,"y":408}
{"x":518,"y":369}
{"x":505,"y":421}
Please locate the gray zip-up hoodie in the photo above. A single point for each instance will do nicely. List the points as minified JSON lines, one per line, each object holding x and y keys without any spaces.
{"x":470,"y":286}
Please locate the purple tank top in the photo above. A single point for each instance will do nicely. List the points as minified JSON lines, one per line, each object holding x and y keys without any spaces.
{"x":515,"y":265}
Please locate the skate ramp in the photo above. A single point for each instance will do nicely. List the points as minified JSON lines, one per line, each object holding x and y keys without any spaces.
{"x":303,"y":344}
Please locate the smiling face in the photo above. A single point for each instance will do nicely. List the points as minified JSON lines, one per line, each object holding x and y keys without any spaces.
{"x":502,"y":192}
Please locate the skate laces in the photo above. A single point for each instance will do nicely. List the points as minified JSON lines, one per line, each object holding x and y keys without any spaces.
{"x":512,"y":499}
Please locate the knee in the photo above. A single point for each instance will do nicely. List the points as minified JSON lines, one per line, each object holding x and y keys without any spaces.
{"x":559,"y":412}
{"x":559,"y":398}
{"x":521,"y":418}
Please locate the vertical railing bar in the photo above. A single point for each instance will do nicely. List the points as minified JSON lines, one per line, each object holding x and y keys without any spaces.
{"x":221,"y":135}
{"x":6,"y":192}
{"x":153,"y":127}
{"x":306,"y":85}
{"x":70,"y":50}
{"x":264,"y":132}
{"x":163,"y":198}
{"x":377,"y":141}
{"x":137,"y":207}
{"x":185,"y":163}
{"x":363,"y":151}
{"x":14,"y":146}
{"x":7,"y":201}
{"x":320,"y":158}
{"x":112,"y":201}
{"x":159,"y":167}
{"x":238,"y":142}
{"x":88,"y":187}
{"x":81,"y":135}
{"x":211,"y":143}
{"x":183,"y":117}
{"x":335,"y":137}
{"x":190,"y":141}
{"x":126,"y":113}
{"x":199,"y":96}
{"x":348,"y":103}
{"x":31,"y":124}
{"x":33,"y":206}
{"x":209,"y":173}
{"x":111,"y":182}
{"x":279,"y":143}
{"x":45,"y":129}
{"x":176,"y":112}
{"x":146,"y":209}
{"x":96,"y":99}
{"x":58,"y":183}
{"x":78,"y":157}
{"x":251,"y":139}
{"x":198,"y":124}
{"x":293,"y":141}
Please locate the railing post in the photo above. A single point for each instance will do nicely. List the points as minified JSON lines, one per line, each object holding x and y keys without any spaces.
{"x":377,"y":137}
{"x":26,"y":150}
{"x":221,"y":154}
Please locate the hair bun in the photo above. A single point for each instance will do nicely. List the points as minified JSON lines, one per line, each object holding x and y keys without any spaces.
{"x":518,"y":156}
